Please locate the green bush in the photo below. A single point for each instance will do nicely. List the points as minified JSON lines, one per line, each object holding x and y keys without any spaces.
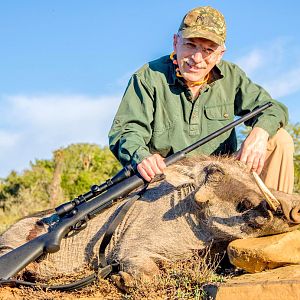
{"x":71,"y":172}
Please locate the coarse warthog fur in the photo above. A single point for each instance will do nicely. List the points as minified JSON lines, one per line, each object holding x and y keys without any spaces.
{"x":201,"y":201}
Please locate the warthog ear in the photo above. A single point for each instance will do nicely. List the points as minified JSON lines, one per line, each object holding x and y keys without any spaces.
{"x":178,"y":175}
{"x":214,"y":174}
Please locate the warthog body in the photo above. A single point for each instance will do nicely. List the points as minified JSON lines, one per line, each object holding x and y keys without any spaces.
{"x":201,"y":201}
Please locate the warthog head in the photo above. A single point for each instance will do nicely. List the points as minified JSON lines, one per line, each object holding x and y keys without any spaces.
{"x":231,"y":204}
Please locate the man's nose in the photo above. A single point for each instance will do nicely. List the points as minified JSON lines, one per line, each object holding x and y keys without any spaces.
{"x":197,"y":56}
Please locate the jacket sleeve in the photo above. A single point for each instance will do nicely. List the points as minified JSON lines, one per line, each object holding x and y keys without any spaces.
{"x":131,"y":129}
{"x":250,"y":95}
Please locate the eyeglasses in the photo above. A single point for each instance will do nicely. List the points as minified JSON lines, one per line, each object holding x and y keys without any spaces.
{"x":206,"y":52}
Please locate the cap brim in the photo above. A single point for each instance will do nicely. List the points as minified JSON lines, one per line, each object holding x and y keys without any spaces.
{"x":198,"y":33}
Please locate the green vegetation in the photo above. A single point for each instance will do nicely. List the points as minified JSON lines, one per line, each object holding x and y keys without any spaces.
{"x":294,"y":130}
{"x":47,"y":183}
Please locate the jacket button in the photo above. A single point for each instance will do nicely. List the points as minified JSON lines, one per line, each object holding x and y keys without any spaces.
{"x":226,"y":115}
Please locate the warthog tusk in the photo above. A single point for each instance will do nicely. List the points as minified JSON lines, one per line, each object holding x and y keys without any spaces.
{"x":270,"y":198}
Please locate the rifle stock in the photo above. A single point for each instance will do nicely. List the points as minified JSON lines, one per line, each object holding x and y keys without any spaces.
{"x":17,"y":259}
{"x":14,"y":261}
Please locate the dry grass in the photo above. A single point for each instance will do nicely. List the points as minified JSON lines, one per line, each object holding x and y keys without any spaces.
{"x":180,"y":280}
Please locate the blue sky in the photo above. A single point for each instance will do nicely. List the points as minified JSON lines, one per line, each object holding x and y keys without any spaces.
{"x":64,"y":64}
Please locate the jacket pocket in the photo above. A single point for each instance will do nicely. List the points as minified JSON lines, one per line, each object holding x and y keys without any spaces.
{"x":161,"y":139}
{"x":218,"y":116}
{"x":161,"y":127}
{"x":223,"y":112}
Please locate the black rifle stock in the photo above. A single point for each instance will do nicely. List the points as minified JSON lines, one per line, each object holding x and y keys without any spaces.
{"x":77,"y":213}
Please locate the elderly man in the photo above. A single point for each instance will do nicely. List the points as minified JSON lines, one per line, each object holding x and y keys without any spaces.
{"x":178,"y":99}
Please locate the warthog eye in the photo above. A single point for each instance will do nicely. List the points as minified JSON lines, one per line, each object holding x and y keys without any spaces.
{"x":244,"y":205}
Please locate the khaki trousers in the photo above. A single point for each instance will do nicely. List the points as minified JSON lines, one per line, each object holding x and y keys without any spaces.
{"x":278,"y":171}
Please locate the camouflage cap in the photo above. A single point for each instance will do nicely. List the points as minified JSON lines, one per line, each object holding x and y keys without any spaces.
{"x":204,"y":22}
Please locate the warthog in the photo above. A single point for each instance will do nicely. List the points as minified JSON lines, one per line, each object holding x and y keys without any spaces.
{"x":201,"y":201}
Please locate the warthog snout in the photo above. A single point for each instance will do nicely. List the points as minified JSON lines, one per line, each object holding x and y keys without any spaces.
{"x":295,"y":214}
{"x":292,"y":214}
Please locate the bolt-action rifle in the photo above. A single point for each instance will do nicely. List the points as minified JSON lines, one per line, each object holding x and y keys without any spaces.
{"x":74,"y":215}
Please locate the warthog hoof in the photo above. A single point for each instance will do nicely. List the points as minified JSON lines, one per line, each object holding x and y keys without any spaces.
{"x":123,"y":281}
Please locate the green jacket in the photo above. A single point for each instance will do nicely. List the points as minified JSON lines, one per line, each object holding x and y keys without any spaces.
{"x":157,"y":113}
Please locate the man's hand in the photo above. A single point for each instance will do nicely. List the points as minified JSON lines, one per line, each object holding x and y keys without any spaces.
{"x":151,"y":166}
{"x":253,"y":150}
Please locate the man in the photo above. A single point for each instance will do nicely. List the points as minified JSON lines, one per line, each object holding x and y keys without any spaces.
{"x":178,"y":99}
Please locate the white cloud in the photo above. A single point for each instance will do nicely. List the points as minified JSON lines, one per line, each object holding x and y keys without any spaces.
{"x":252,"y":61}
{"x":8,"y":139}
{"x":275,"y":66}
{"x":271,"y":55}
{"x":284,"y":84}
{"x":34,"y":126}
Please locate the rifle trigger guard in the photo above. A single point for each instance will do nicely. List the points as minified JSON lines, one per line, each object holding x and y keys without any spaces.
{"x":80,"y":225}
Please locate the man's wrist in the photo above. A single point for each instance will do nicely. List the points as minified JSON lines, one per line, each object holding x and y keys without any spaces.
{"x":261,"y":132}
{"x":138,"y":156}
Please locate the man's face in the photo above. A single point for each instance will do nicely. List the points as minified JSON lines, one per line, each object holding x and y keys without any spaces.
{"x":196,"y":57}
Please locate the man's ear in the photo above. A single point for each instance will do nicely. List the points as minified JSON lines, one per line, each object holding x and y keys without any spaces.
{"x":175,"y":41}
{"x":221,"y":54}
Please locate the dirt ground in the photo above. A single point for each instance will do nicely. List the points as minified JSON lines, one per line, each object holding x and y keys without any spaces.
{"x":182,"y":279}
{"x":102,"y":290}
